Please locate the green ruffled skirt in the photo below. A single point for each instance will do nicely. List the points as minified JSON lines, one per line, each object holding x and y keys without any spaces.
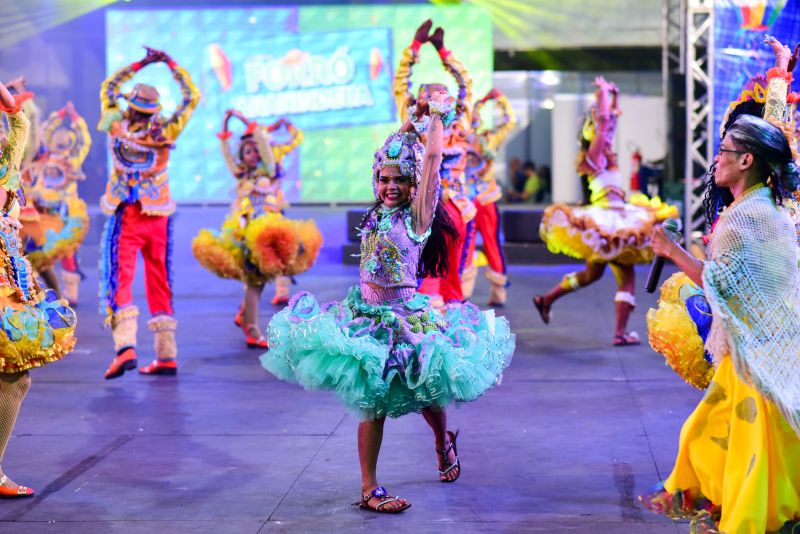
{"x":389,"y":358}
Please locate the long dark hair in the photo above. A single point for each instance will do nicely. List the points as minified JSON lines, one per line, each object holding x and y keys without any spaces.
{"x":771,"y":152}
{"x":434,"y":260}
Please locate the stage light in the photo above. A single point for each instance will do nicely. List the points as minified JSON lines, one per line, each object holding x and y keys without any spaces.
{"x":550,"y":77}
{"x":22,"y":20}
{"x":510,"y":16}
{"x":547,"y":103}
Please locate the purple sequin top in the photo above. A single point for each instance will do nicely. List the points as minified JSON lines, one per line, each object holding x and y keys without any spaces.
{"x":390,"y":250}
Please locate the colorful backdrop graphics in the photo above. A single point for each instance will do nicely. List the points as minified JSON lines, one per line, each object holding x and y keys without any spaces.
{"x":740,"y":52}
{"x":328,"y":69}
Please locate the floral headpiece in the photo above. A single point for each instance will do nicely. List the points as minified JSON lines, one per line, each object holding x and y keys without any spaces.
{"x":402,"y":150}
{"x":754,"y":90}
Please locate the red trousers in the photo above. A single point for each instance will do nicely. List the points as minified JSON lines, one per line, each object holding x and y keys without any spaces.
{"x":150,"y":235}
{"x":70,"y":264}
{"x":487,"y":222}
{"x":449,"y":286}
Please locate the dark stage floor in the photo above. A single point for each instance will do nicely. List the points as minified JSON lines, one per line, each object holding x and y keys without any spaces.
{"x":574,"y":433}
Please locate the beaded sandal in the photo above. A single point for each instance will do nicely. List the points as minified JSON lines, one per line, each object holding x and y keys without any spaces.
{"x":381,"y":493}
{"x":449,"y":466}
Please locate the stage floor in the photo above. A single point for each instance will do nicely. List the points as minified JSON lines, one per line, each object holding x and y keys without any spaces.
{"x":576,"y":430}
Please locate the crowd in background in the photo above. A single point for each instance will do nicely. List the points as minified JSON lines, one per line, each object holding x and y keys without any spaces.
{"x":527,"y":183}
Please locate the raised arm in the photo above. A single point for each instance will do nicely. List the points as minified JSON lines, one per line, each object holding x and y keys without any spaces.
{"x":225,"y":140}
{"x":280,"y":151}
{"x":51,"y":124}
{"x":458,"y":72}
{"x":83,"y":141}
{"x":779,"y":78}
{"x":495,"y":136}
{"x":423,"y":207}
{"x":265,"y":149}
{"x":603,"y":125}
{"x":190,"y":98}
{"x":401,"y":86}
{"x":111,"y":91}
{"x":34,"y":139}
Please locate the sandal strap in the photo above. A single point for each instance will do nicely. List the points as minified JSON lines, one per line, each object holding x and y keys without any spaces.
{"x":379,"y":493}
{"x":451,"y":467}
{"x":384,"y":502}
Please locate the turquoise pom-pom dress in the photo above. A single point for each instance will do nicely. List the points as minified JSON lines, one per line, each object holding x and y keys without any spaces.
{"x":384,"y":349}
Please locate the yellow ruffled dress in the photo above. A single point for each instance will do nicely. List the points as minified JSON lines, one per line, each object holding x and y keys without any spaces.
{"x":57,"y":227}
{"x":256,"y":249}
{"x":607,"y":230}
{"x":35,"y":327}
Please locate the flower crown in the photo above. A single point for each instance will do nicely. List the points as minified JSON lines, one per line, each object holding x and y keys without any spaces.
{"x":757,"y":93}
{"x":403,"y":150}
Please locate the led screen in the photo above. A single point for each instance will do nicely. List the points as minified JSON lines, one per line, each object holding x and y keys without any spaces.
{"x":328,"y":69}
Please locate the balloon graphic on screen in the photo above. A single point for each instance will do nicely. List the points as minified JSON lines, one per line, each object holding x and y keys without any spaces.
{"x":375,"y":63}
{"x":221,"y":66}
{"x":759,"y":15}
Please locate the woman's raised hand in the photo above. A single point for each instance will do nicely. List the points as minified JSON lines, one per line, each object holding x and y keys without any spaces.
{"x":782,"y":52}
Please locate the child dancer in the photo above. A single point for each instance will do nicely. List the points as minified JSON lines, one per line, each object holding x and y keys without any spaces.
{"x":257,"y":244}
{"x":62,"y":220}
{"x":35,"y":328}
{"x":384,"y":349}
{"x":608,"y":232}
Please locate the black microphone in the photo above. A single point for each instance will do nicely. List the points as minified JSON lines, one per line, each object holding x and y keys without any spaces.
{"x":672,"y":228}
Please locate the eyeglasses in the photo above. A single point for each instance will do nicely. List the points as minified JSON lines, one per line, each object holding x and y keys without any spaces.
{"x":720,"y":150}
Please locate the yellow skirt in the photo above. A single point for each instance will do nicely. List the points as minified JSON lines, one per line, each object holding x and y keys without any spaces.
{"x":259,"y":250}
{"x":738,"y":459}
{"x":32,"y":335}
{"x":598,"y":234}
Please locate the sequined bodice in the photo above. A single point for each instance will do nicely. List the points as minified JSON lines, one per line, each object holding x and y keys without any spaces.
{"x":390,"y":250}
{"x":264,"y":193}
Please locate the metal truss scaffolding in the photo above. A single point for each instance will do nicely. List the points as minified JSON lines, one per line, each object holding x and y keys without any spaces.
{"x":673,"y":66}
{"x":699,"y":50}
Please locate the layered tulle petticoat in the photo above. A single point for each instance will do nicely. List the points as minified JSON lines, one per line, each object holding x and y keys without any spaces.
{"x":619,"y":234}
{"x":56,"y":232}
{"x":35,"y":327}
{"x":387,"y":352}
{"x":678,"y":329}
{"x":259,"y":250}
{"x":32,"y":335}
